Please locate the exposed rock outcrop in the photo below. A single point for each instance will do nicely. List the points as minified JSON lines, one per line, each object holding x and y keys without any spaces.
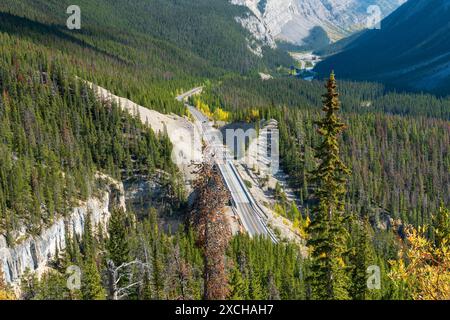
{"x":34,"y":253}
{"x":311,"y":22}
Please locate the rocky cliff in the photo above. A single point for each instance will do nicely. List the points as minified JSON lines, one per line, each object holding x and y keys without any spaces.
{"x":311,"y":22}
{"x":34,"y":253}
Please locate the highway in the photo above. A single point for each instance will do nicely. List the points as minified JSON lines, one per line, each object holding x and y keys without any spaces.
{"x":252,"y":217}
{"x":186,"y":95}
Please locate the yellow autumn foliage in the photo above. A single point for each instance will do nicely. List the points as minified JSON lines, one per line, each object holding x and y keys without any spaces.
{"x":6,"y":295}
{"x":253,"y":115}
{"x":203,"y":107}
{"x":423,"y":268}
{"x":221,"y":115}
{"x":218,"y":115}
{"x":5,"y":292}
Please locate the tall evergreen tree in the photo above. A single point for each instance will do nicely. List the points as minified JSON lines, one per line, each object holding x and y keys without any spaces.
{"x":118,"y":250}
{"x":441,"y":225}
{"x":255,"y":289}
{"x":237,"y":285}
{"x":361,"y":256}
{"x":91,"y":282}
{"x":157,"y":270}
{"x":327,"y":235}
{"x":117,"y":245}
{"x":91,"y":285}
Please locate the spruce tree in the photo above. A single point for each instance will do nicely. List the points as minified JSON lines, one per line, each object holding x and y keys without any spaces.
{"x":158,"y":277}
{"x":361,"y":256}
{"x":237,"y":285}
{"x":255,"y":290}
{"x":117,"y":245}
{"x":327,"y":235}
{"x":441,"y":225}
{"x":91,"y":283}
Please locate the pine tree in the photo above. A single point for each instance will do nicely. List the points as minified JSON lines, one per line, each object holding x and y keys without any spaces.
{"x":441,"y":225}
{"x":28,"y":285}
{"x":91,"y":284}
{"x":295,"y":214}
{"x":53,"y":286}
{"x":6,"y":292}
{"x":327,"y":233}
{"x":117,"y":245}
{"x":157,"y":270}
{"x":146,"y":288}
{"x":255,"y":290}
{"x":237,"y":285}
{"x":360,"y":258}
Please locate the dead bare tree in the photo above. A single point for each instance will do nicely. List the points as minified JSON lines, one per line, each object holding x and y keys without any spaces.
{"x":116,"y":274}
{"x":180,"y":276}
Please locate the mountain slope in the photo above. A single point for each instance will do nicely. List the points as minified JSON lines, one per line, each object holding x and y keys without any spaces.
{"x":411,"y":51}
{"x":314,"y":22}
{"x":145,"y":50}
{"x":55,"y":135}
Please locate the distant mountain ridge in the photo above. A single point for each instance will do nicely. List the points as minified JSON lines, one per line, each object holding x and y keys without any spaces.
{"x":201,"y":31}
{"x":411,"y":51}
{"x":312,"y":22}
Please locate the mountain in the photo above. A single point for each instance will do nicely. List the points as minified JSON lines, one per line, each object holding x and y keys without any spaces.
{"x":311,"y":22}
{"x":57,"y":136}
{"x":162,"y":40}
{"x":410,"y":51}
{"x":93,"y":197}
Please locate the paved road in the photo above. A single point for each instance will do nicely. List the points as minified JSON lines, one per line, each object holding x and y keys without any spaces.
{"x":184,"y":96}
{"x":252,"y":217}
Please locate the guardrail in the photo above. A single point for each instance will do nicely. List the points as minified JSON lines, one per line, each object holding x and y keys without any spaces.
{"x":255,"y":206}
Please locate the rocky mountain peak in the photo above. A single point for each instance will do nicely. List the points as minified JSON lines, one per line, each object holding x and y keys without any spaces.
{"x":313,"y":22}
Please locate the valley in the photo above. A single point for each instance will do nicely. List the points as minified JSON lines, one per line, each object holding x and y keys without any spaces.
{"x":404,"y":61}
{"x":225,"y":150}
{"x":306,"y":63}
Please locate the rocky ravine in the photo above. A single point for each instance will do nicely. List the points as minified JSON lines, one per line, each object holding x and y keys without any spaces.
{"x":34,"y":253}
{"x":313,"y":23}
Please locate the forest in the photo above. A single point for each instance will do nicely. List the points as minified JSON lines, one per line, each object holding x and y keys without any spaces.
{"x":370,"y":167}
{"x":398,"y":147}
{"x":56,"y":134}
{"x":148,"y":52}
{"x":135,"y":259}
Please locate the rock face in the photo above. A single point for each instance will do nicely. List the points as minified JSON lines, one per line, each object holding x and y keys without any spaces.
{"x":34,"y":253}
{"x":312,"y":22}
{"x":260,"y":32}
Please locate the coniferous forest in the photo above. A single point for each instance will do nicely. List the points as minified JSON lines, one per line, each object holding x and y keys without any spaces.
{"x":369,"y":166}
